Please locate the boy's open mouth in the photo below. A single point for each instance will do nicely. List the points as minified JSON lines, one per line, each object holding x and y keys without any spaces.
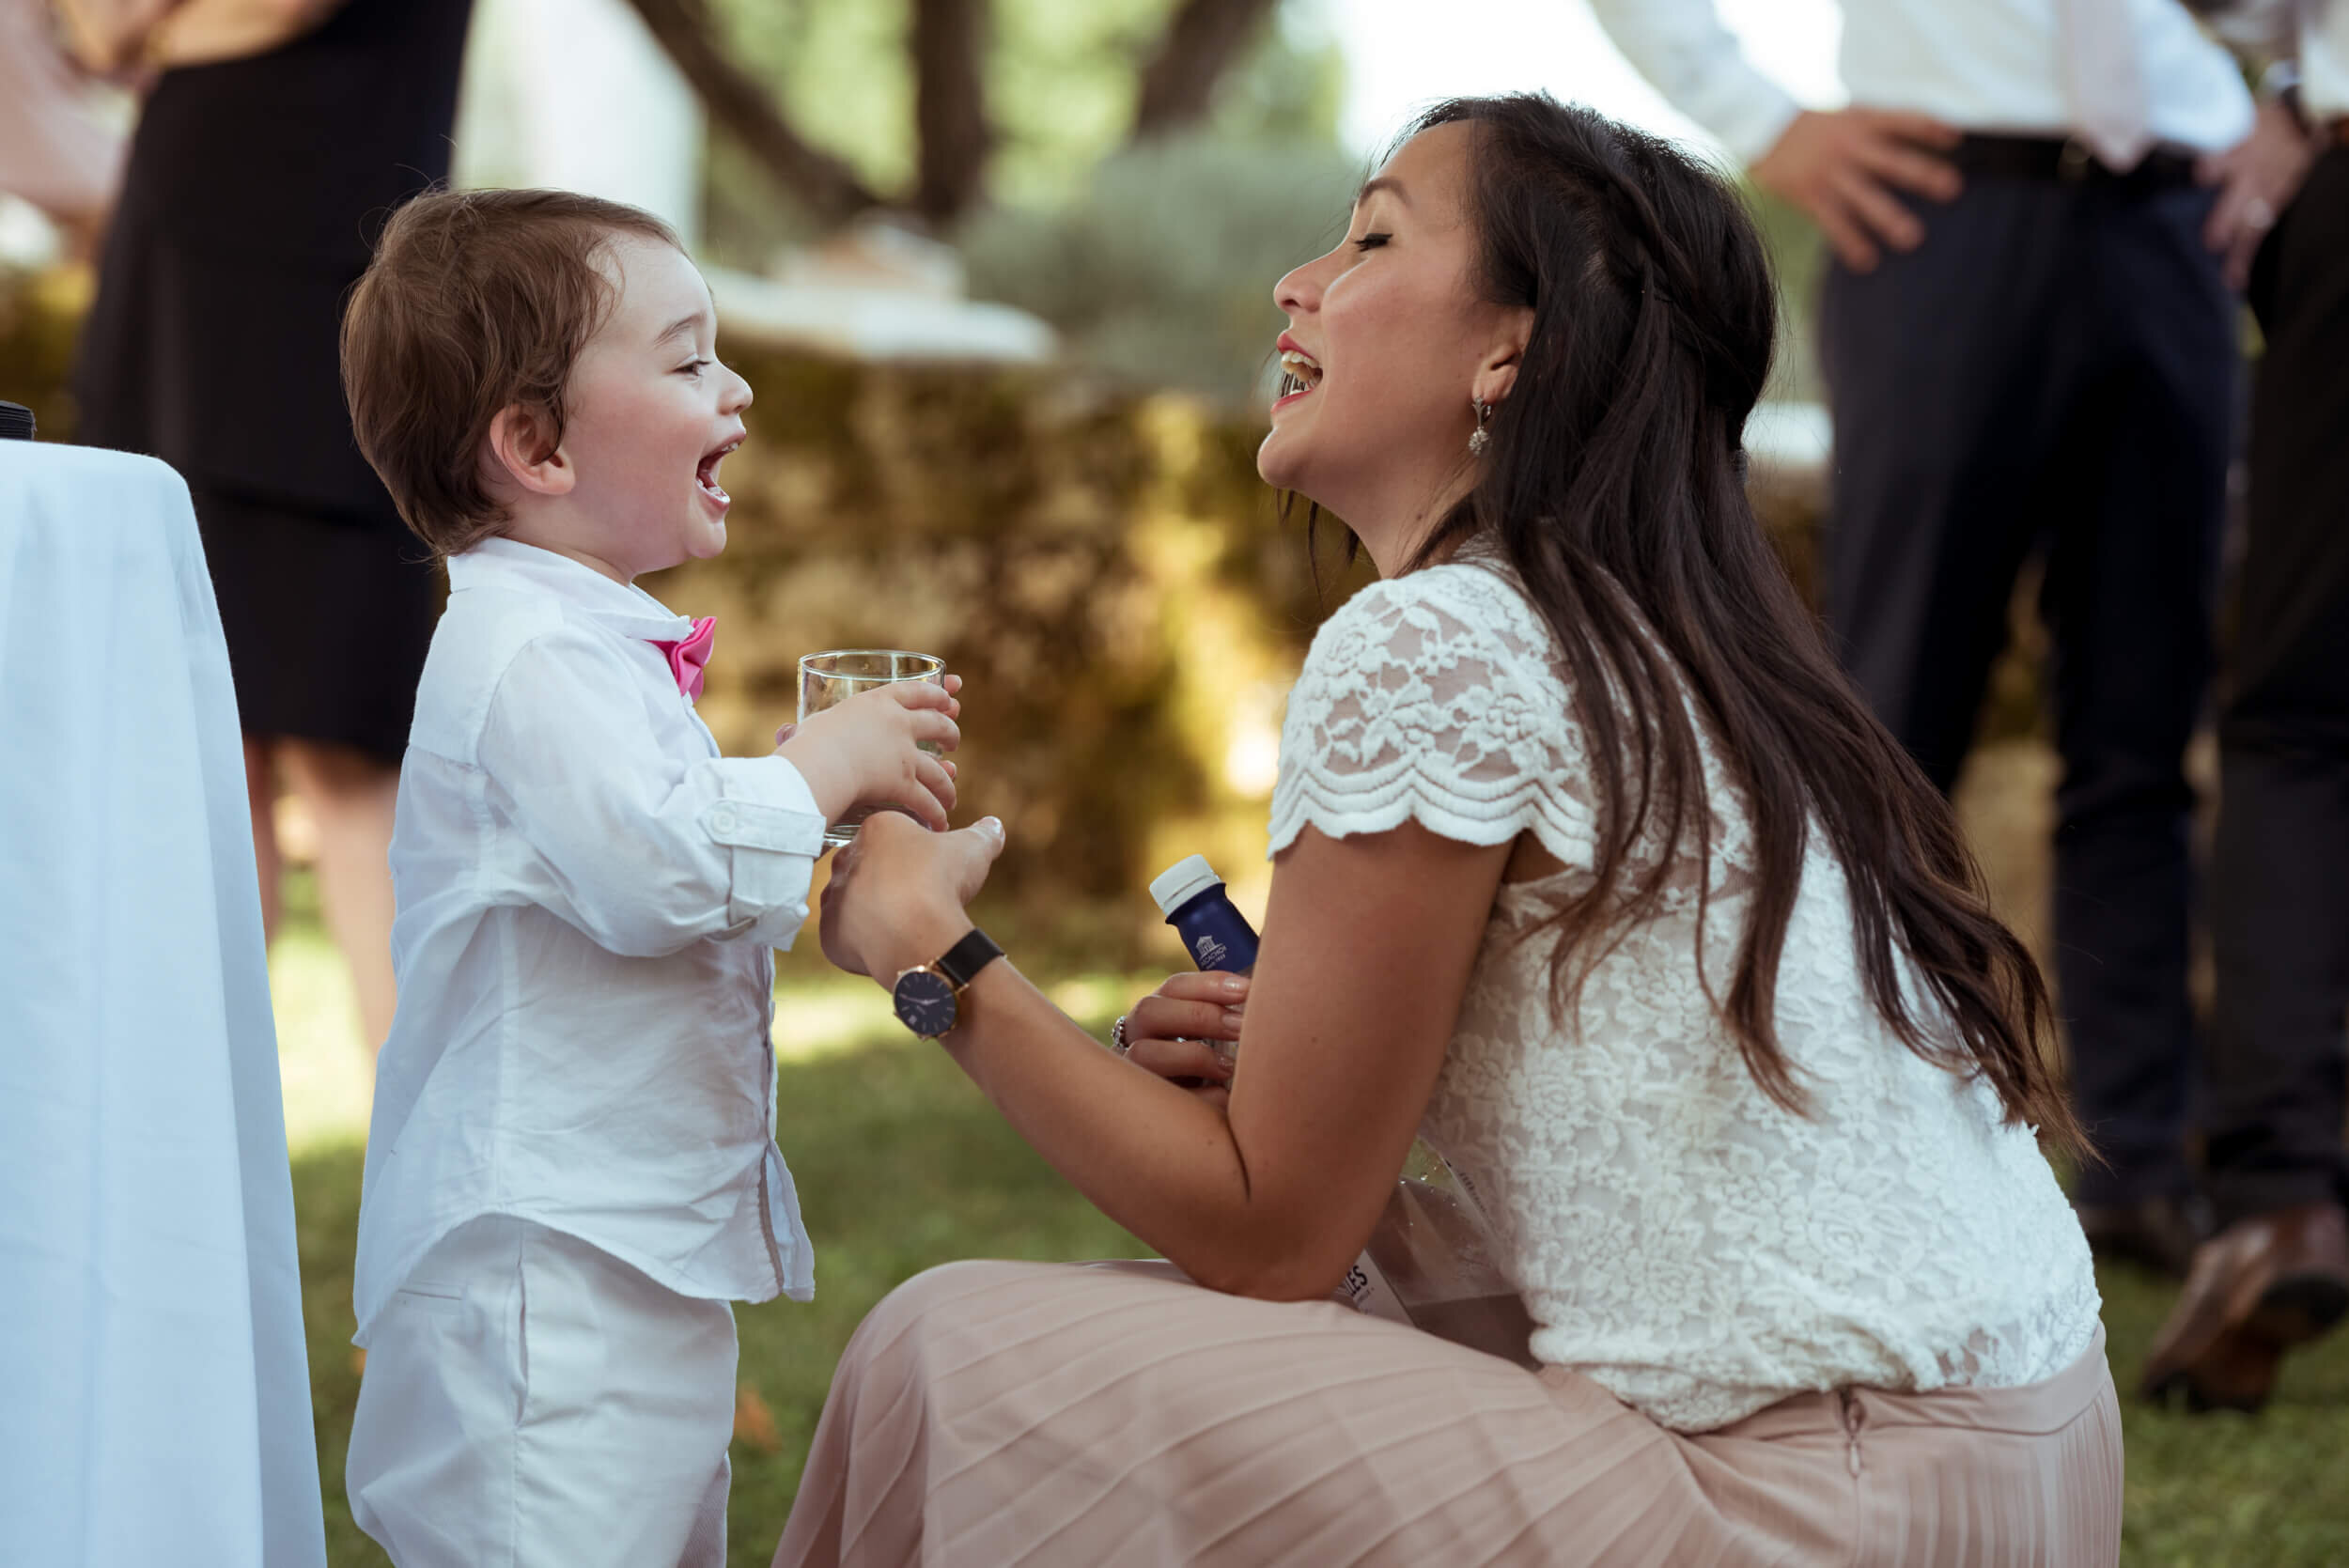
{"x":706,"y":474}
{"x":1299,"y":373}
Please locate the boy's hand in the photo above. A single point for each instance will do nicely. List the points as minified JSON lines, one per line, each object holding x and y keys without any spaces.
{"x":865,"y":751}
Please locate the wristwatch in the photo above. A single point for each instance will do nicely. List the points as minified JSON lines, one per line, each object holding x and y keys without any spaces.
{"x":925,"y":998}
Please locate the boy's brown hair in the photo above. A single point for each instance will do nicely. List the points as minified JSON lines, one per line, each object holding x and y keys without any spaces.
{"x":475,"y":300}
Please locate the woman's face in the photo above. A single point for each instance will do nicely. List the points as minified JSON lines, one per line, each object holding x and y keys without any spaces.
{"x":1391,"y":342}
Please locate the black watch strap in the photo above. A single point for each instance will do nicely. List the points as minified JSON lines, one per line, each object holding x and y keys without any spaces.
{"x":962,"y":962}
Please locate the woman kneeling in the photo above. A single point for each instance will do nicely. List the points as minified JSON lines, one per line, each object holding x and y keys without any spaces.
{"x":1590,"y":864}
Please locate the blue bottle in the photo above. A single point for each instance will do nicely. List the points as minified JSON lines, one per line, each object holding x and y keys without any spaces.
{"x":1214,"y":934}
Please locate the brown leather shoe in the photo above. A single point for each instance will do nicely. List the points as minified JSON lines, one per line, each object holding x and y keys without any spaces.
{"x":2256,"y":1288}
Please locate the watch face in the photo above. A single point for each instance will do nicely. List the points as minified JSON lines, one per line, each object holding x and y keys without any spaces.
{"x":926,"y":1004}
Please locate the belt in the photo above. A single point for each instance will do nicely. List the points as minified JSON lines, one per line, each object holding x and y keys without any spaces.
{"x":2065,"y":160}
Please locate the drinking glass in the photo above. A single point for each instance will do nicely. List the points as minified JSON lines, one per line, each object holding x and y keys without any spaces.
{"x":830,"y":679}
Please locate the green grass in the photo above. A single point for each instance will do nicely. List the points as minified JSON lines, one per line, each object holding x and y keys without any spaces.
{"x":902,"y":1164}
{"x":2224,"y":1490}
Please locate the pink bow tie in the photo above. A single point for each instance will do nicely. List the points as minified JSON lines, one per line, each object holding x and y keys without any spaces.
{"x":688,"y":655}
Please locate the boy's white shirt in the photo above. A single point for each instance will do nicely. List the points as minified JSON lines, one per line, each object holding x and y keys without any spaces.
{"x":587,"y":896}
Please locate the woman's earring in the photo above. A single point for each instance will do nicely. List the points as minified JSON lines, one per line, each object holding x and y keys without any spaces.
{"x":1480,"y":441}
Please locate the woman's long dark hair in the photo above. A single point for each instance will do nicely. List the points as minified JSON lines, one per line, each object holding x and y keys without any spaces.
{"x":1614,"y":485}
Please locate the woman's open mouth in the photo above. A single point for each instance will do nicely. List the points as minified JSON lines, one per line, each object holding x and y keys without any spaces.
{"x":1300,"y":374}
{"x":705,"y":475}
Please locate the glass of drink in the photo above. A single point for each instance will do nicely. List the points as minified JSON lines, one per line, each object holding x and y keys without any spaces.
{"x":830,"y":679}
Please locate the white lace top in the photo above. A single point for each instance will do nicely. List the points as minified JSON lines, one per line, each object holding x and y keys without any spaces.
{"x":1677,"y":1236}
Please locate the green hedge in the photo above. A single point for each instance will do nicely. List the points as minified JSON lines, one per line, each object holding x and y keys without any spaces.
{"x":1103,"y":567}
{"x":1107,"y":573}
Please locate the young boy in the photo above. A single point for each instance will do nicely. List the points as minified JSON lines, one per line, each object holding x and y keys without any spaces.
{"x":572,"y":1169}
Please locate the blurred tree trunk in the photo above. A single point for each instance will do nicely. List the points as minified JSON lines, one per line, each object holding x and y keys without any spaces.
{"x":1201,"y":43}
{"x":955,"y":135}
{"x":950,"y":106}
{"x":737,"y":101}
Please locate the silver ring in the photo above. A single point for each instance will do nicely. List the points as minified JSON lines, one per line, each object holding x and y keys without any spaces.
{"x":1118,"y":1042}
{"x":2257,"y":213}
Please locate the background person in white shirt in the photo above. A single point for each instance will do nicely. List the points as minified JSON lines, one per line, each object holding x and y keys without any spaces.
{"x":573,"y":1167}
{"x":2035,"y":208}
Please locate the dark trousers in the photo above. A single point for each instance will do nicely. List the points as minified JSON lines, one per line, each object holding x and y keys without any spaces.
{"x":2280,"y":874}
{"x":2053,"y":371}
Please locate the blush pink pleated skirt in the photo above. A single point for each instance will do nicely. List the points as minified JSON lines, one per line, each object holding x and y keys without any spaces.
{"x":995,"y":1413}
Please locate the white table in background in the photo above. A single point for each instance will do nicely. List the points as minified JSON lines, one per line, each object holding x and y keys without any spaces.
{"x":154,"y":1390}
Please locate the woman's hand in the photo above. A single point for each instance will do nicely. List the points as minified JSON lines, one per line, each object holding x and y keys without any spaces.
{"x":897,"y":891}
{"x":1187,"y":1031}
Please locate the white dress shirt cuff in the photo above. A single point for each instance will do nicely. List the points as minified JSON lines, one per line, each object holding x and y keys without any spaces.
{"x":2323,"y":59}
{"x":766,"y":818}
{"x":1699,"y":64}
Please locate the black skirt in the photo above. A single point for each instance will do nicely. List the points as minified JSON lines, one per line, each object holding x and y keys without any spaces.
{"x":253,"y":193}
{"x":328,"y":619}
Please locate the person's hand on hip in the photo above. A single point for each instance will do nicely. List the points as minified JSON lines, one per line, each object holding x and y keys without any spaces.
{"x":2257,"y":179}
{"x":1845,"y":168}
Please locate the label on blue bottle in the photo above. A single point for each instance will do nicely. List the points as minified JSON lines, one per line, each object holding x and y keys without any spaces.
{"x":1217,"y":933}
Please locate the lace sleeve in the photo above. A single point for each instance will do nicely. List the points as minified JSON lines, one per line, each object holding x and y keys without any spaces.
{"x":1435,"y":697}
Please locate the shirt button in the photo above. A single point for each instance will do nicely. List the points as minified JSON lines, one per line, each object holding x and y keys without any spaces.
{"x":722,"y":819}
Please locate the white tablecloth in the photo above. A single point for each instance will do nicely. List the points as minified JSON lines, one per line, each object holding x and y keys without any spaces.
{"x":154,"y":1392}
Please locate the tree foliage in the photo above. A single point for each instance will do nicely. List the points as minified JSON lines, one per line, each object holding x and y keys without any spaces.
{"x":1160,"y":272}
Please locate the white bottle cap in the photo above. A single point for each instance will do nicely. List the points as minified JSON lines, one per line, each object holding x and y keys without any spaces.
{"x":1183,"y":881}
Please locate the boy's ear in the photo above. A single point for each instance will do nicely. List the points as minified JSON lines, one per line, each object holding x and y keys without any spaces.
{"x":523,"y":452}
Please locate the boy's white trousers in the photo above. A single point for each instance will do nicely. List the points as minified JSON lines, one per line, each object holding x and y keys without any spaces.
{"x":531,"y":1400}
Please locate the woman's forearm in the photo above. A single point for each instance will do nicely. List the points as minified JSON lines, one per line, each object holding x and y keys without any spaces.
{"x":1158,"y":1161}
{"x":1367,"y":947}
